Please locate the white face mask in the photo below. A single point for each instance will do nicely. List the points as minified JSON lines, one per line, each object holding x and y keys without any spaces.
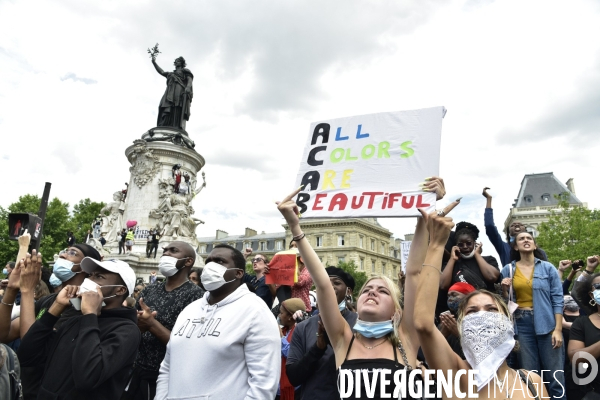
{"x":470,"y":255}
{"x":88,"y":285}
{"x":212,"y":276}
{"x":487,"y":338}
{"x":167,"y":265}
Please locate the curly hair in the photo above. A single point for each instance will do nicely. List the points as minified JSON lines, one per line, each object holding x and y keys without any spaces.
{"x":467,"y":228}
{"x":183,"y":63}
{"x":581,"y":295}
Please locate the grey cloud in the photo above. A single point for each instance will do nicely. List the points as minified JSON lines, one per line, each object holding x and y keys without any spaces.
{"x":72,"y":76}
{"x":288,"y":46}
{"x":577,"y":117}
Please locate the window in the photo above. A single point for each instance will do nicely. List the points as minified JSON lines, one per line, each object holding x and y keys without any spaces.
{"x":340,"y":240}
{"x":372,"y":244}
{"x":279,"y":245}
{"x":362,"y":264}
{"x":319,"y":241}
{"x":360,"y":241}
{"x":373,"y":266}
{"x":262,"y":246}
{"x":202,"y":249}
{"x":546,"y":197}
{"x":528,"y":198}
{"x":341,"y":259}
{"x":382,"y":248}
{"x":383,"y":268}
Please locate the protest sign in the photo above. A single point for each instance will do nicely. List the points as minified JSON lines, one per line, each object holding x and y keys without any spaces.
{"x":370,"y":165}
{"x":283,"y":268}
{"x":404,"y":250}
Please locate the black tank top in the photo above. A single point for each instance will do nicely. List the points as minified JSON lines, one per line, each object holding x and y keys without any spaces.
{"x":367,"y":367}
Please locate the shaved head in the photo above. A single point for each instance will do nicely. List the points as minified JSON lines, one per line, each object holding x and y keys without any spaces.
{"x":185,"y":248}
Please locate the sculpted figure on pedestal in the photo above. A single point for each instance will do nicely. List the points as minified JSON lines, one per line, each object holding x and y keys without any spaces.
{"x":112,"y":218}
{"x":175,"y":214}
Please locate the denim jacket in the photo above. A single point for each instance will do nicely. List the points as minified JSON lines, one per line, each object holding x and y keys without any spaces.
{"x":547,"y":295}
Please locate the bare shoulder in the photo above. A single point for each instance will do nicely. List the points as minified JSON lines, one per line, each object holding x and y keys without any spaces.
{"x":538,"y":384}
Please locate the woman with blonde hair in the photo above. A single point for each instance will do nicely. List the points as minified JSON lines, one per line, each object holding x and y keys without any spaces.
{"x":373,"y":344}
{"x":484,"y":324}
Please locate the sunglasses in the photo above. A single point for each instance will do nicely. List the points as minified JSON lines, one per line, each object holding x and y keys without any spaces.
{"x":596,"y":286}
{"x":258,"y":259}
{"x":72,"y":253}
{"x":464,"y":244}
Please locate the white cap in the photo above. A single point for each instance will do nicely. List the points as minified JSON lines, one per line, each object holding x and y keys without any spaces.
{"x":90,"y":265}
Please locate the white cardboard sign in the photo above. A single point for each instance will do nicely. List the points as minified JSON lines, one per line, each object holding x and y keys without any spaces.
{"x":370,"y":165}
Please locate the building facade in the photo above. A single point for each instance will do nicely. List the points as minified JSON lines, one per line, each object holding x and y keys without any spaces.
{"x":362,"y":240}
{"x":537,"y":198}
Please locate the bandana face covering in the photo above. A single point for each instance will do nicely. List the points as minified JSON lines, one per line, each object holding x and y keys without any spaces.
{"x":486,"y":338}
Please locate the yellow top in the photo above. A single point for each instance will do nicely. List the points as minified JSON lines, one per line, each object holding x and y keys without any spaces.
{"x":523,"y":288}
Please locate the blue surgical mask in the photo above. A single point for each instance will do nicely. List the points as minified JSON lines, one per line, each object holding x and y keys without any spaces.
{"x":5,"y":271}
{"x":342,"y":305}
{"x":596,"y":294}
{"x":373,"y":329}
{"x":54,"y":281}
{"x":62,"y":269}
{"x":453,"y":303}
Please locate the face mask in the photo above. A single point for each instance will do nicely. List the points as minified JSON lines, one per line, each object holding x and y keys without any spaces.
{"x":470,"y":255}
{"x":279,"y":321}
{"x":89,"y":285}
{"x":54,"y":281}
{"x":62,"y":269}
{"x":342,"y":305}
{"x":167,"y":265}
{"x":212,"y":276}
{"x":5,"y":271}
{"x":597,"y":295}
{"x":373,"y":329}
{"x":487,"y":338}
{"x":453,"y":303}
{"x":512,"y":239}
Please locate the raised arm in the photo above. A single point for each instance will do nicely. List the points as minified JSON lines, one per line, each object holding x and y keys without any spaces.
{"x":489,"y":271}
{"x":158,"y":69}
{"x":416,"y":257}
{"x":31,"y":273}
{"x":337,"y":328}
{"x":437,"y":351}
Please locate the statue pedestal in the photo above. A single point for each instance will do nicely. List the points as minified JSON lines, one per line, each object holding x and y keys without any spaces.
{"x":151,"y":200}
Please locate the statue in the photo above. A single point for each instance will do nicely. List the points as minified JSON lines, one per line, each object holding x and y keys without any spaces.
{"x":112,"y":218}
{"x":174,"y":212}
{"x":174,"y":107}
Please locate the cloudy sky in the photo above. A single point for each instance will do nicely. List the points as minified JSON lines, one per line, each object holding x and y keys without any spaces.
{"x":520,"y":80}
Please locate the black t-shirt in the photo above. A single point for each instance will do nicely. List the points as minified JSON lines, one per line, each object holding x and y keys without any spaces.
{"x":467,"y":270}
{"x":584,"y":331}
{"x":167,"y":305}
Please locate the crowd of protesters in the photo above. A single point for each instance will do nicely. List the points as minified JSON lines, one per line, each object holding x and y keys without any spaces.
{"x":92,"y":330}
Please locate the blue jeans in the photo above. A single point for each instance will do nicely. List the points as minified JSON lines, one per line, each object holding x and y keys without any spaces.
{"x":536,"y":354}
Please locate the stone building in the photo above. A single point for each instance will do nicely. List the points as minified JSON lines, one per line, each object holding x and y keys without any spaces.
{"x":537,"y":198}
{"x":362,"y":240}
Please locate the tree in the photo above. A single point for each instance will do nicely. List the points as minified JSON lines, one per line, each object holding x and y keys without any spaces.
{"x":84,"y":214}
{"x":359,"y":277}
{"x":58,"y":222}
{"x":571,"y":233}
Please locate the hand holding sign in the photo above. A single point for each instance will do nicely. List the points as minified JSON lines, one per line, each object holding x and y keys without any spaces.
{"x":283,"y":268}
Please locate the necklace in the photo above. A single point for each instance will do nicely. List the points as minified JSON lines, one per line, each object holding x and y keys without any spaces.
{"x":503,"y":384}
{"x":371,"y":347}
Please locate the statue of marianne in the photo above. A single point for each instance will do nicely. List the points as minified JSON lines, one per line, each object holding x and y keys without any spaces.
{"x":174,"y":107}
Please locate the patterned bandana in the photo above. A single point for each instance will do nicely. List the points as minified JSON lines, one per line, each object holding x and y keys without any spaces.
{"x":487,"y":338}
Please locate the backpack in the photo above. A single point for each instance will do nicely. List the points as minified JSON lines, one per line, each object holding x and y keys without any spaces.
{"x":10,"y":374}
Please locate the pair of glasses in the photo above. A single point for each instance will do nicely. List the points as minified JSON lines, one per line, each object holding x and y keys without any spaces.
{"x":258,"y":259}
{"x":464,"y":244}
{"x":136,"y":290}
{"x":596,"y":286}
{"x":71,"y":252}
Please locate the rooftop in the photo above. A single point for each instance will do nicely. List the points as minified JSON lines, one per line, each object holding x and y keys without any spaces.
{"x":541,"y":189}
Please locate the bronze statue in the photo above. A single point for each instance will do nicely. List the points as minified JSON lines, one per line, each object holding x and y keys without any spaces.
{"x":174,"y":107}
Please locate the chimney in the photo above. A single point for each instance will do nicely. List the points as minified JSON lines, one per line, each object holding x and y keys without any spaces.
{"x":571,"y":186}
{"x":250,"y":232}
{"x":409,"y":236}
{"x":221,"y":234}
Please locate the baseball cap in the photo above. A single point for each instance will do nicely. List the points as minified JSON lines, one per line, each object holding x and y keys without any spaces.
{"x":90,"y":265}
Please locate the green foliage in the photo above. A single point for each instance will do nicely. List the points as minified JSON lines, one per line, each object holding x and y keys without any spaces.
{"x":56,"y":225}
{"x":359,"y":277}
{"x":249,"y":269}
{"x":571,"y":233}
{"x":84,"y":214}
